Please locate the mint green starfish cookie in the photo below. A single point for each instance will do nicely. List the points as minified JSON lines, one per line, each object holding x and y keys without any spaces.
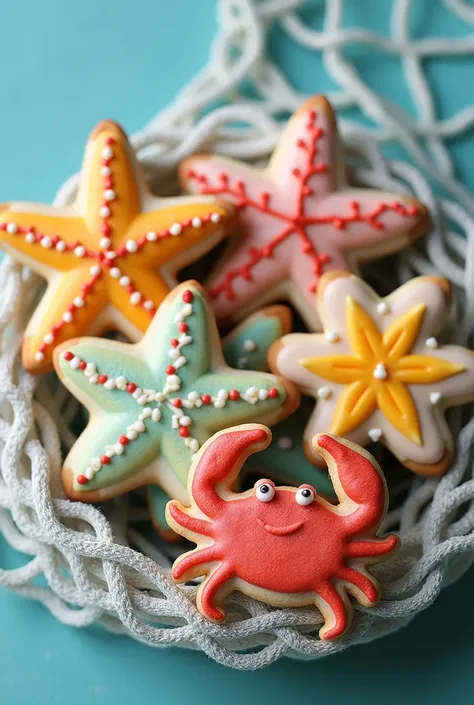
{"x":284,"y":460}
{"x":153,"y":404}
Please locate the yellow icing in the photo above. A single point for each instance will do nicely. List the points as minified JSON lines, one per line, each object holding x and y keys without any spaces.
{"x":389,"y":353}
{"x":82,"y":225}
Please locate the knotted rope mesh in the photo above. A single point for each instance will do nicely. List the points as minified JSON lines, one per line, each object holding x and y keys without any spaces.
{"x":97,"y":566}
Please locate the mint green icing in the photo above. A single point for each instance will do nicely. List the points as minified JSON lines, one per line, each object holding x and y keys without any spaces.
{"x":118,"y":409}
{"x":262,"y":330}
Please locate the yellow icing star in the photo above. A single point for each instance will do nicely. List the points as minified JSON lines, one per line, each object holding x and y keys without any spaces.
{"x":378,"y":372}
{"x":110,"y":258}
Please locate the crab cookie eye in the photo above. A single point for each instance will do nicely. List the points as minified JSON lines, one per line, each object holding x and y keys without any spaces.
{"x":265,"y":492}
{"x":304,"y":496}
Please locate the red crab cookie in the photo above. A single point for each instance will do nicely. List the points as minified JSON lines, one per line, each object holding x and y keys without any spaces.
{"x":299,"y":218}
{"x":284,"y":546}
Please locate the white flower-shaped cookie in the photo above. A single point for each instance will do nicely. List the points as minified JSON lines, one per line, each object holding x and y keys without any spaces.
{"x":378,"y":372}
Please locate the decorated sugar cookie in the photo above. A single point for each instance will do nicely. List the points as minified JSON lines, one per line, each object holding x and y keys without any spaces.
{"x":299,"y":218}
{"x":284,"y":546}
{"x":378,"y":371}
{"x":110,"y":258}
{"x":153,"y":404}
{"x":246,"y":347}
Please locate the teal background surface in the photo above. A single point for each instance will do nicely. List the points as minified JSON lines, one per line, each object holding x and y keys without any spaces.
{"x":64,"y":66}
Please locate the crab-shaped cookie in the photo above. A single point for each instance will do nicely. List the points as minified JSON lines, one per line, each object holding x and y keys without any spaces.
{"x":111,"y":257}
{"x":378,"y":371}
{"x":299,"y":218}
{"x":285,"y":546}
{"x":153,"y":404}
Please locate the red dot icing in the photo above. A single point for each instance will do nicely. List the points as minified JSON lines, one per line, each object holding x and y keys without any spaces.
{"x":82,"y":479}
{"x":188,"y":296}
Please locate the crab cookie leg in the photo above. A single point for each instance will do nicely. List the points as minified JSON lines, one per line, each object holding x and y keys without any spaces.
{"x":196,"y":526}
{"x":208,"y":590}
{"x":360,"y":581}
{"x":220,"y":461}
{"x":334,"y":611}
{"x":374,"y":548}
{"x":190,"y":565}
{"x":365,"y":489}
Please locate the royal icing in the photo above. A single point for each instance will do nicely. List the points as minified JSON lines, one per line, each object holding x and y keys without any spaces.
{"x":384,"y":378}
{"x":153,"y":404}
{"x":299,"y":218}
{"x":111,"y":257}
{"x":285,"y":546}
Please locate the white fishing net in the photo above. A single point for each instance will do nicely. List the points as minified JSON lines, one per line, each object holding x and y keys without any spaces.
{"x":98,"y":567}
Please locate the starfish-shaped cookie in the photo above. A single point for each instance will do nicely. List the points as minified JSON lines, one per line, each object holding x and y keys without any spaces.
{"x":110,"y":258}
{"x":246,"y":347}
{"x":153,"y":404}
{"x":299,"y":218}
{"x":378,"y":371}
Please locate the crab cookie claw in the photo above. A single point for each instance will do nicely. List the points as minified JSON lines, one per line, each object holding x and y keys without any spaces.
{"x":220,"y":460}
{"x":365,"y":489}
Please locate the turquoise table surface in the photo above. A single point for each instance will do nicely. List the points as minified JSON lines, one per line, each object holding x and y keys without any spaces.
{"x":63,"y":66}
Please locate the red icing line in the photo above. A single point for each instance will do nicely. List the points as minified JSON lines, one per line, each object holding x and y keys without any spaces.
{"x":292,"y":224}
{"x":256,"y":541}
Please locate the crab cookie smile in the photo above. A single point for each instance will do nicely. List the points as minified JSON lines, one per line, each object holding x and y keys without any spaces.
{"x":111,"y":257}
{"x":299,"y":218}
{"x":320,"y":565}
{"x":280,"y":530}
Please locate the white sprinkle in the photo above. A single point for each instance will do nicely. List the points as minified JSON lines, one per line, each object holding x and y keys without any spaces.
{"x":215,"y":217}
{"x":179,"y":318}
{"x":435,"y":397}
{"x":93,"y":379}
{"x":105,"y":242}
{"x":137,"y":393}
{"x":75,"y":362}
{"x":148,"y":305}
{"x":110,"y":384}
{"x":187,"y":310}
{"x":104,"y":211}
{"x":46,"y":242}
{"x":194,"y":445}
{"x":30,"y":238}
{"x":185,"y":340}
{"x":67,"y":317}
{"x":151,"y":236}
{"x":431,"y":342}
{"x":174,"y":353}
{"x":383,"y":308}
{"x":174,"y":422}
{"x":223,"y":394}
{"x":139,"y":426}
{"x":80,"y":251}
{"x":156,"y":415}
{"x":249,"y":345}
{"x":78,"y":302}
{"x":124,"y":281}
{"x":380,"y":371}
{"x":119,"y":449}
{"x":111,"y":254}
{"x":96,"y":464}
{"x":48,"y":338}
{"x":252,"y":391}
{"x":131,"y":246}
{"x":12,"y":228}
{"x":107,"y":152}
{"x":324,"y":392}
{"x":180,"y":362}
{"x":146,"y":413}
{"x":106,"y":171}
{"x":121,"y":383}
{"x":285,"y":443}
{"x":135,"y":298}
{"x":95,"y":270}
{"x":110,"y":452}
{"x":331,"y":336}
{"x":115,"y":273}
{"x":90,"y":367}
{"x":39,"y":357}
{"x":131,"y":434}
{"x":198,"y":403}
{"x":242,"y":363}
{"x":159,"y":396}
{"x":174,"y":380}
{"x":89,"y":473}
{"x":142,"y":400}
{"x":109,"y":194}
{"x":219,"y":403}
{"x":193,"y":396}
{"x":375,"y":434}
{"x":60,"y":245}
{"x":263,"y":394}
{"x":196,"y":222}
{"x":185,"y":421}
{"x":176,"y":229}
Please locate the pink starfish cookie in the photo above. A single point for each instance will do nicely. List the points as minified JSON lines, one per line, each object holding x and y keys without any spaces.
{"x":299,"y":218}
